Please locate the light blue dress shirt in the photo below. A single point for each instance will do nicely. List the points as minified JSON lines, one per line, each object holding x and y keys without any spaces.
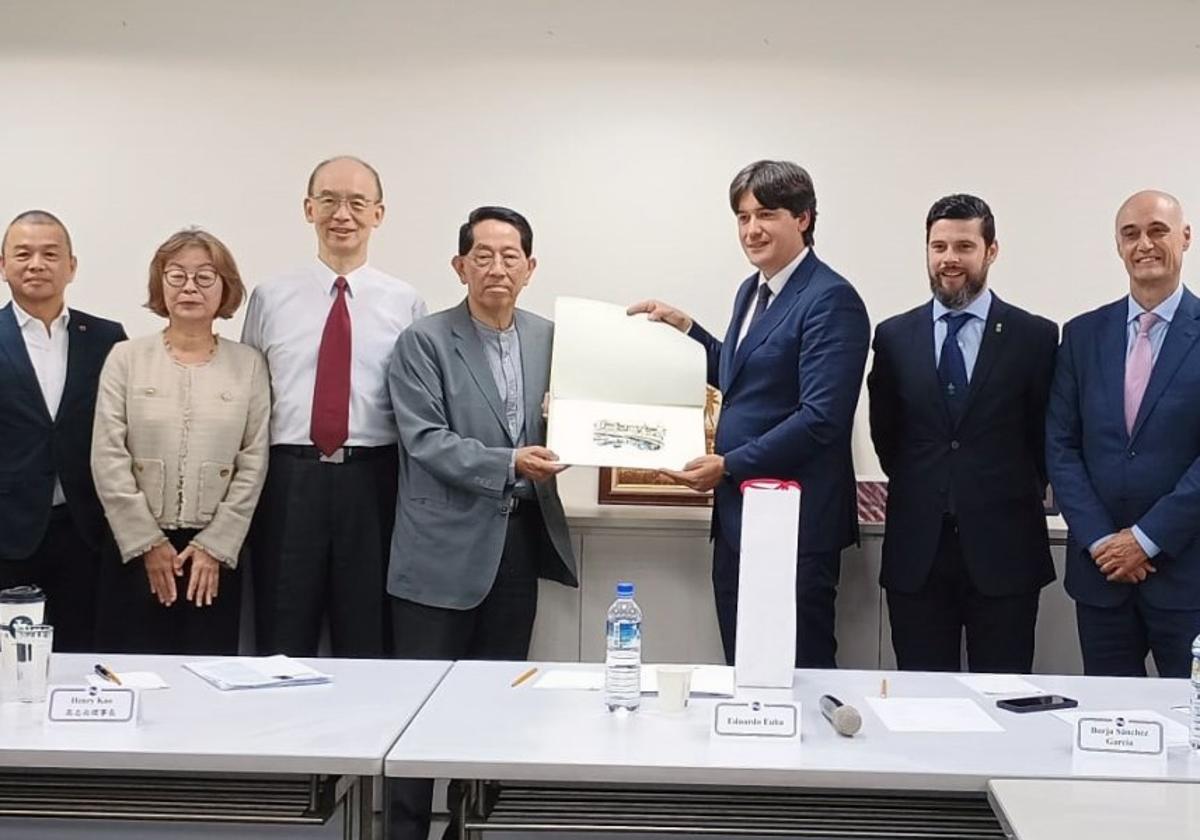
{"x":970,"y":334}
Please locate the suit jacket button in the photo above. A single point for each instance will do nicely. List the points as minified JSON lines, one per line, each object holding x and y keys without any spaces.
{"x":150,"y":392}
{"x":1132,"y":453}
{"x":954,"y":444}
{"x":224,"y":473}
{"x":227,"y":396}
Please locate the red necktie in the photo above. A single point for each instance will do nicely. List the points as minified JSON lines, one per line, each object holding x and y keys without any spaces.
{"x":331,"y":394}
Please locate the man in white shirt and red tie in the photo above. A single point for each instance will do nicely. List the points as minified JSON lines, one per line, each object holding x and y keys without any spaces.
{"x":322,"y":529}
{"x":51,"y":523}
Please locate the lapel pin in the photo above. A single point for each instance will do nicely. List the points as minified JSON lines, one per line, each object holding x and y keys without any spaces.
{"x":999,"y":327}
{"x":83,"y":327}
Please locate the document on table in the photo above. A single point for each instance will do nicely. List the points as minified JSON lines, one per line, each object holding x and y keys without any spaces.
{"x":1175,"y":734}
{"x":707,"y":680}
{"x":245,"y":672}
{"x":144,"y":680}
{"x":999,"y":685}
{"x":932,"y":714}
{"x":624,"y":391}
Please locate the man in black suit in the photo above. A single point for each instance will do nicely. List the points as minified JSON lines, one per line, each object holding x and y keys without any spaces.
{"x":958,"y":392}
{"x":51,"y":523}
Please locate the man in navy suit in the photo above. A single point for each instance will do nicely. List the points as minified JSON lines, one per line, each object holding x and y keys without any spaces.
{"x":51,"y":524}
{"x":790,"y":371}
{"x":1123,"y":452}
{"x":958,"y":392}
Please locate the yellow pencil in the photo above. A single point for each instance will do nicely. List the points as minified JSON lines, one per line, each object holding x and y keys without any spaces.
{"x":523,"y":677}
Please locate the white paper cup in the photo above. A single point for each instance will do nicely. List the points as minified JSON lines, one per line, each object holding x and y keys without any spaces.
{"x":674,"y":686}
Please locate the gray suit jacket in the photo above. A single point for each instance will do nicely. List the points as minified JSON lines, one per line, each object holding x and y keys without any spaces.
{"x":455,"y":450}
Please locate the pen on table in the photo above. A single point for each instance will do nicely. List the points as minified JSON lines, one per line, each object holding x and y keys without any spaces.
{"x":103,"y":672}
{"x":883,"y":688}
{"x":523,"y":677}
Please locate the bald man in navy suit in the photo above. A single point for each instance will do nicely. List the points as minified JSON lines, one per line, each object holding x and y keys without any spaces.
{"x":1123,"y":452}
{"x":51,"y":523}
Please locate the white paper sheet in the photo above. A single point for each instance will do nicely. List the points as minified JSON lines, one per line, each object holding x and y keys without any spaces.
{"x":999,"y":685}
{"x":932,"y":714}
{"x":1174,"y":733}
{"x":707,"y":680}
{"x":144,"y":680}
{"x":570,"y":680}
{"x":624,"y":392}
{"x":589,"y":433}
{"x":244,"y":672}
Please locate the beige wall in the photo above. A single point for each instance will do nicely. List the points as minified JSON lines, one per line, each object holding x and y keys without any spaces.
{"x":615,"y":126}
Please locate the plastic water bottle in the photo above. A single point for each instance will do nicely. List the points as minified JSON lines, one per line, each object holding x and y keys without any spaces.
{"x":1195,"y":739}
{"x":623,"y":660}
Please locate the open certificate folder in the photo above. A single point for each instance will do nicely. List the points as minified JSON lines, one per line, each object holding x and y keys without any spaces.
{"x":624,"y":391}
{"x":256,"y":672}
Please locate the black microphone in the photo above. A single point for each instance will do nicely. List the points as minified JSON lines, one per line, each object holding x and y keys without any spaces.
{"x":844,"y":719}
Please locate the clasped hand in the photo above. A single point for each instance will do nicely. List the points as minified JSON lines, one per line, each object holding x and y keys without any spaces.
{"x":1122,"y":560}
{"x":163,"y":565}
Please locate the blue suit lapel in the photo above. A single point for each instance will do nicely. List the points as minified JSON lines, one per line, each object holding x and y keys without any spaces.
{"x":775,"y":313}
{"x":79,"y":347}
{"x":922,"y":343}
{"x":1181,"y":335}
{"x":1112,"y":339}
{"x":990,"y":344}
{"x":729,"y":347}
{"x":470,"y":349}
{"x":13,"y":346}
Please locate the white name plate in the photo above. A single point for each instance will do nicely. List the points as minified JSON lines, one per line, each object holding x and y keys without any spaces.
{"x":92,"y":704}
{"x":1119,"y":735}
{"x":757,"y":719}
{"x":1120,"y":745}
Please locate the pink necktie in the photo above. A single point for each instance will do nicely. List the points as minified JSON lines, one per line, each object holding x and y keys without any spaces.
{"x":331,"y":394}
{"x":1137,"y":368}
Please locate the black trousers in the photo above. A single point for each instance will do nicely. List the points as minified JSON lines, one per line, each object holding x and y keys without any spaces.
{"x":1115,"y":640}
{"x":499,"y":628}
{"x":132,"y":620}
{"x":816,"y":596}
{"x":319,"y":547}
{"x":928,"y":625}
{"x":65,"y":567}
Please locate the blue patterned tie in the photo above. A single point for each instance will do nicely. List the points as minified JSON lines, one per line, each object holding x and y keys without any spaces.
{"x":952,"y":368}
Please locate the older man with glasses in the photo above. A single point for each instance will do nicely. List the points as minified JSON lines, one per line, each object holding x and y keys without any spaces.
{"x":321,"y":533}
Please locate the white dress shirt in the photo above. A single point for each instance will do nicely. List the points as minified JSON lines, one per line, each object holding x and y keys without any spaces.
{"x":285,"y":320}
{"x":776,"y":283}
{"x":48,"y":354}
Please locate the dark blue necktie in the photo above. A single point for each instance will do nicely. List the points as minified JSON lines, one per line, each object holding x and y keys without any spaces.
{"x":764,"y":298}
{"x":952,"y":368}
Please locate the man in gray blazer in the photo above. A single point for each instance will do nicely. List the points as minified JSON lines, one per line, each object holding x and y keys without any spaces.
{"x":478,"y":518}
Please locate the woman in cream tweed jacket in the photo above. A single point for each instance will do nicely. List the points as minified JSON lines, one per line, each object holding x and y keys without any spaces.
{"x":179,"y":456}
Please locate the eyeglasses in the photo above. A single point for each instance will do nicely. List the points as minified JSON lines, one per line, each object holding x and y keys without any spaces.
{"x":177,"y":278}
{"x":328,"y":203}
{"x":485,"y":259}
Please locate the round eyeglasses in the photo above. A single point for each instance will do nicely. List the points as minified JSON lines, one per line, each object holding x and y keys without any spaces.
{"x":177,"y":278}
